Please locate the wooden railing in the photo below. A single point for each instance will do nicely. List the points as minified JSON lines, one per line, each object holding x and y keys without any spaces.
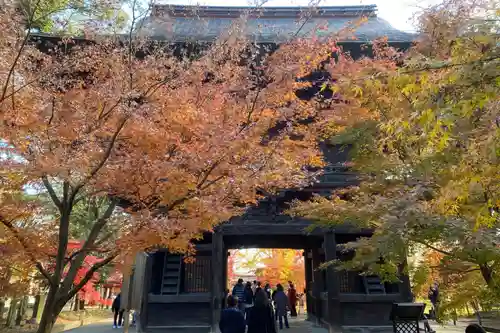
{"x":197,"y":275}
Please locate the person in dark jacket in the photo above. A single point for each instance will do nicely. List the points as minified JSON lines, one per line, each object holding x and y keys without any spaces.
{"x":292,"y":299}
{"x":118,"y":313}
{"x":474,"y":328}
{"x":224,"y":303}
{"x":261,"y":316}
{"x":267,"y":289}
{"x":232,"y":320}
{"x":257,"y":288}
{"x":248,"y":298}
{"x":239,"y":293}
{"x":433,"y":296}
{"x":281,"y":305}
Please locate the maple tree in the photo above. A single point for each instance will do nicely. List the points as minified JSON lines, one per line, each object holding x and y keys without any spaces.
{"x":280,"y":266}
{"x":460,"y":289}
{"x":426,"y":145}
{"x":159,"y":148}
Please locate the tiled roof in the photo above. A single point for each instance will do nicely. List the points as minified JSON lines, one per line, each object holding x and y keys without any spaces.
{"x":267,"y":24}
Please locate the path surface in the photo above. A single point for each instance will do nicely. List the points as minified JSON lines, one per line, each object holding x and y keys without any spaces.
{"x":297,"y":325}
{"x":100,"y":327}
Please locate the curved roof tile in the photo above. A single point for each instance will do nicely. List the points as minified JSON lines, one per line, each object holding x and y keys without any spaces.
{"x":271,"y":24}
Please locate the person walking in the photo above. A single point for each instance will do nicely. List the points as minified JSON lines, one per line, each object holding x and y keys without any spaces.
{"x":257,"y":288}
{"x":226,"y":295}
{"x":261,"y":317}
{"x":292,"y":300}
{"x":231,"y":319}
{"x":281,"y":303}
{"x":433,"y":296}
{"x":239,"y":293}
{"x":248,"y":298}
{"x":117,"y":312}
{"x":267,"y":289}
{"x":301,"y":303}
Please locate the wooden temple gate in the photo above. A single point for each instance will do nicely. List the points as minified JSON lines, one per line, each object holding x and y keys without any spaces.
{"x":176,"y":296}
{"x":188,"y":297}
{"x":170,"y":295}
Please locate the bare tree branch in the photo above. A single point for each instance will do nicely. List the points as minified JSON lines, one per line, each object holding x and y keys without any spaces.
{"x":432,"y":247}
{"x":89,"y":243}
{"x":101,"y":163}
{"x":88,"y":276}
{"x":52,"y":193}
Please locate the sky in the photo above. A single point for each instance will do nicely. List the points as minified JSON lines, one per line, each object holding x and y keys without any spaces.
{"x":398,"y":13}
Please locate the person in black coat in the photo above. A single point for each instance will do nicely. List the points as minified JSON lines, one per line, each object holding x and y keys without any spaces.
{"x":474,"y":328}
{"x":118,"y":313}
{"x":261,"y":316}
{"x":267,"y":289}
{"x":248,"y":298}
{"x":433,"y":296}
{"x":232,"y":319}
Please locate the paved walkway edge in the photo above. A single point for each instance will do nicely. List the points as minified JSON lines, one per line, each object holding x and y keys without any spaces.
{"x":62,"y":327}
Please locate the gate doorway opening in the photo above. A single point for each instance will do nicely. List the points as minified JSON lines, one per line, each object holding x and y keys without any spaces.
{"x":271,"y":257}
{"x":267,"y":266}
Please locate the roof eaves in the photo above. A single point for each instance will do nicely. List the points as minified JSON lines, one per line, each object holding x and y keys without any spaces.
{"x":230,"y":11}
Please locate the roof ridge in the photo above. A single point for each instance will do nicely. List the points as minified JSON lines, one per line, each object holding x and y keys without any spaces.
{"x":273,"y":11}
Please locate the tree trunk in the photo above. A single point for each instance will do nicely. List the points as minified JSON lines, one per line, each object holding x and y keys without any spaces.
{"x":2,"y":308}
{"x":51,"y":310}
{"x":11,"y":317}
{"x":475,"y":306}
{"x":77,"y":303}
{"x":20,"y":320}
{"x":35,"y":307}
{"x":487,"y":274}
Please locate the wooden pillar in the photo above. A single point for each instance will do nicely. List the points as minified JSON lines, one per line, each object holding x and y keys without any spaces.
{"x":217,"y":278}
{"x":332,"y":281}
{"x":142,"y":318}
{"x":317,"y":283}
{"x":12,"y":315}
{"x":36,"y":305}
{"x":405,"y":286}
{"x":2,"y":306}
{"x":309,"y":278}
{"x":20,"y":320}
{"x":224,"y":272}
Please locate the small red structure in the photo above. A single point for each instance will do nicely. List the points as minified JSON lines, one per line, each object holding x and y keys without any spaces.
{"x":89,"y":293}
{"x":111,"y":287}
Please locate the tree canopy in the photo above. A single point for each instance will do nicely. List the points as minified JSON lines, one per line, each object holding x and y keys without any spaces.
{"x":426,"y":145}
{"x":138,"y":148}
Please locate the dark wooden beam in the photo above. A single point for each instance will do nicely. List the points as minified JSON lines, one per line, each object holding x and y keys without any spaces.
{"x":143,"y":311}
{"x":317,"y":287}
{"x":261,"y":227}
{"x":203,"y":247}
{"x":332,"y":280}
{"x":181,"y":298}
{"x":367,"y":298}
{"x":217,"y":278}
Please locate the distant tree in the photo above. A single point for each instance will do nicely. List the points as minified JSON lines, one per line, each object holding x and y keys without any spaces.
{"x":72,"y":16}
{"x":279,"y":266}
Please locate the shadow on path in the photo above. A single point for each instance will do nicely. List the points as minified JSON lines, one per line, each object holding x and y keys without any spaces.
{"x":105,"y":326}
{"x":297,"y":325}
